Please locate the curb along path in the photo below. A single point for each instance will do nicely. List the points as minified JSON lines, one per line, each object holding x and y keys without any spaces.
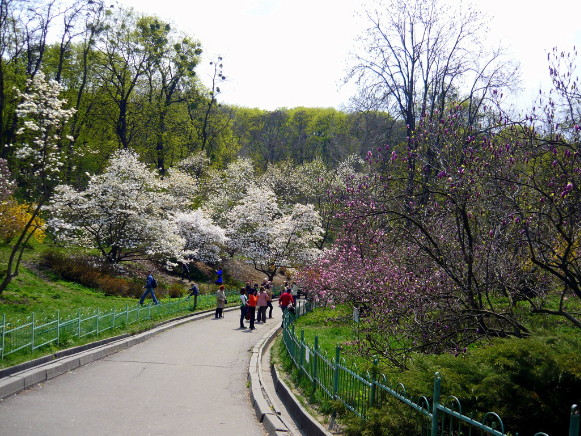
{"x":188,"y":380}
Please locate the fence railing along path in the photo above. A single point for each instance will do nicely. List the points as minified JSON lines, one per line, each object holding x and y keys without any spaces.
{"x":359,"y":392}
{"x":188,"y":379}
{"x":34,"y":333}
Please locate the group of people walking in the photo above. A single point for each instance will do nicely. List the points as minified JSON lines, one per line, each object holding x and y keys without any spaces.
{"x":255,"y":301}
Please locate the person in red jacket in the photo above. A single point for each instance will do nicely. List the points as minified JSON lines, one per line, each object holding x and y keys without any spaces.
{"x":286,"y":299}
{"x":252,"y":300}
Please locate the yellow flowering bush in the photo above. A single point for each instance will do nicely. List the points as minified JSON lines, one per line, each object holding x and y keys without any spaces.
{"x":13,"y":219}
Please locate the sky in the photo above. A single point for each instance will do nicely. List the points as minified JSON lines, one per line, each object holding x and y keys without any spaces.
{"x":290,"y":53}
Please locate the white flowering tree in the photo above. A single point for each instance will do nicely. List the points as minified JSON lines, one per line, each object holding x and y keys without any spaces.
{"x":204,"y":241}
{"x":41,"y":115}
{"x":271,"y":235}
{"x":182,"y":187}
{"x":224,"y":188}
{"x":6,"y":184}
{"x":124,"y":213}
{"x":313,"y":183}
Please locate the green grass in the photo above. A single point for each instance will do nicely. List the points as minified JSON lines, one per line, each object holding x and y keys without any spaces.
{"x":28,"y":293}
{"x":45,"y":294}
{"x":509,"y":376}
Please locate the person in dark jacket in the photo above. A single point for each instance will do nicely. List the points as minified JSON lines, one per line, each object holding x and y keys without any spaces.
{"x":150,"y":284}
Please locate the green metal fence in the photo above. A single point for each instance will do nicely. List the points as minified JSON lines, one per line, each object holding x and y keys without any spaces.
{"x":26,"y":336}
{"x":359,"y":392}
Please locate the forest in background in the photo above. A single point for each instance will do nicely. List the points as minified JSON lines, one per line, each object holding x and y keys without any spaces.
{"x":132,"y":81}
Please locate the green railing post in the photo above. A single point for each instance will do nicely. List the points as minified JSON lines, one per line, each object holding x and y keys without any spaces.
{"x":98,"y":318}
{"x":3,"y":333}
{"x":373,"y":381}
{"x":574,"y":420}
{"x":436,"y":402}
{"x":126,"y":314}
{"x":33,"y":332}
{"x":58,"y":327}
{"x":336,"y":372}
{"x":315,"y":364}
{"x":303,"y":347}
{"x":79,"y":324}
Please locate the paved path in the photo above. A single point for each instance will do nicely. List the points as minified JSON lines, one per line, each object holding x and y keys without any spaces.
{"x":189,"y":380}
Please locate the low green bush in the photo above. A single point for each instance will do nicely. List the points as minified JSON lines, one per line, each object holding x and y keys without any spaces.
{"x":176,"y":290}
{"x":530,"y":383}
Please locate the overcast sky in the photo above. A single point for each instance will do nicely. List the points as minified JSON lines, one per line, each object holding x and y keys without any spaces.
{"x":289,"y":53}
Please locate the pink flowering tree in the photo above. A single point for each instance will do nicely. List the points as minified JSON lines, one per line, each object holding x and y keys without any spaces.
{"x":489,"y":230}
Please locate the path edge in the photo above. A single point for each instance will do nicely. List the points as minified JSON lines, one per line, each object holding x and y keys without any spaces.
{"x":266,"y":412}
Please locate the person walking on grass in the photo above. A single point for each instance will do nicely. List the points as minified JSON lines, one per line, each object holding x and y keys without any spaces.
{"x":194,"y":291}
{"x":220,"y":302}
{"x":150,"y":285}
{"x":243,"y":307}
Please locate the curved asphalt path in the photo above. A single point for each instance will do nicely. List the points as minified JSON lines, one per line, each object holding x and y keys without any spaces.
{"x":187,"y":380}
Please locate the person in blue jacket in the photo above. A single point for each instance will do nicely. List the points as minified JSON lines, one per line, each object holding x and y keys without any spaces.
{"x":150,"y":284}
{"x":219,"y":272}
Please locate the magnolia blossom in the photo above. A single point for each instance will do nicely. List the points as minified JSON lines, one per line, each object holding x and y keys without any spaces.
{"x":204,"y":240}
{"x":270,"y":235}
{"x":6,"y":185}
{"x":195,"y":165}
{"x":225,"y":188}
{"x":123,"y":213}
{"x":42,"y":113}
{"x":181,"y":186}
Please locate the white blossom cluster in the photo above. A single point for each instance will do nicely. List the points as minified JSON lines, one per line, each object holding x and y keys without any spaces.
{"x":130,"y":212}
{"x":43,"y":113}
{"x":124,"y":213}
{"x":6,"y":185}
{"x":268,"y":234}
{"x":204,"y":240}
{"x":225,"y":188}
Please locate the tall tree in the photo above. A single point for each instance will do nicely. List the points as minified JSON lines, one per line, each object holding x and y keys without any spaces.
{"x":42,"y":114}
{"x":169,"y":68}
{"x":121,"y":66}
{"x":419,"y":56}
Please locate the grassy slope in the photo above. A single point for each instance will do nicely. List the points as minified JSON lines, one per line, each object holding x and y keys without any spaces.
{"x":39,"y":292}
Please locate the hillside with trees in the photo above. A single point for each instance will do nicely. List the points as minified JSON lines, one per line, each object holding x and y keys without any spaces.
{"x":448,"y":220}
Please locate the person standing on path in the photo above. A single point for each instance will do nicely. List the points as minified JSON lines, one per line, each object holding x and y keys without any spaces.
{"x":262,"y":303}
{"x":285,"y":299}
{"x":150,"y":284}
{"x":269,"y":299}
{"x":243,"y":307}
{"x":252,"y":298}
{"x":220,"y":302}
